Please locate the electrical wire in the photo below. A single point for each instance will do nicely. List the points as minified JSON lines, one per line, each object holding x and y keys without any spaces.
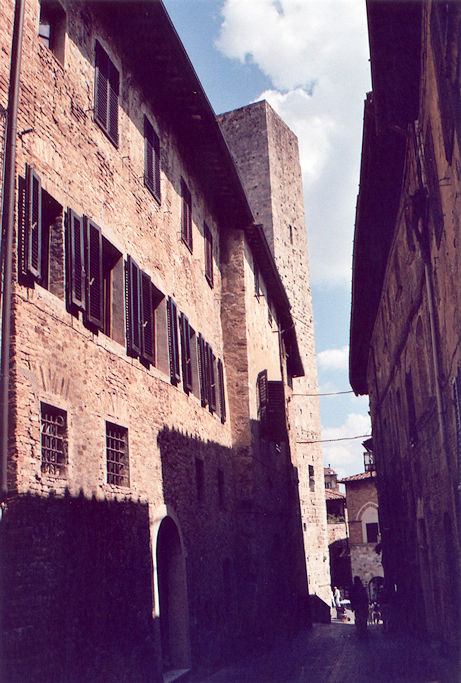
{"x":332,"y":393}
{"x":344,"y":438}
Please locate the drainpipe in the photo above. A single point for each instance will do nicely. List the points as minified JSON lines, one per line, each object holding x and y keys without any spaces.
{"x":7,"y":235}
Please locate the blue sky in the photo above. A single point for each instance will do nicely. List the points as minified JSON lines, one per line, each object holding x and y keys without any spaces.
{"x":309,"y":59}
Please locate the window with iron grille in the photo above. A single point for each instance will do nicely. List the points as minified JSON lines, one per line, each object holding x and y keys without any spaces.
{"x":53,"y":440}
{"x":118,"y":471}
{"x":186,"y":215}
{"x":107,"y":83}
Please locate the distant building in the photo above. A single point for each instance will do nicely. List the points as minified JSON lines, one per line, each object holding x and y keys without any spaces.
{"x":338,"y":541}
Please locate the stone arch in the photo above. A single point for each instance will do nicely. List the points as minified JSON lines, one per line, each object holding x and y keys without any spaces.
{"x":171,"y":595}
{"x":368,"y":514}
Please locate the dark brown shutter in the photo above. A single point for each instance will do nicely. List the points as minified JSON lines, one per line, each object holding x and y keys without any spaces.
{"x":208,"y":253}
{"x":262,"y":396}
{"x":75,"y":282}
{"x":275,"y":412}
{"x":173,"y":345}
{"x":101,"y":85}
{"x":186,"y":215}
{"x":33,"y":224}
{"x":148,"y":155}
{"x":147,"y":320}
{"x":222,"y":395}
{"x":133,"y":313}
{"x":185,"y":353}
{"x":156,"y":164}
{"x":211,"y":379}
{"x":112,"y":123}
{"x":94,"y":283}
{"x":202,"y":368}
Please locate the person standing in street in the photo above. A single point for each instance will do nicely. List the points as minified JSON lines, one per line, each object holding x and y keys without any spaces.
{"x":359,"y":604}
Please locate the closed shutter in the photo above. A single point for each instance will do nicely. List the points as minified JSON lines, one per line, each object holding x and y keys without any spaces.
{"x":276,"y":426}
{"x":94,"y":283}
{"x":211,"y":360}
{"x":112,"y":124}
{"x":133,"y":314}
{"x":147,"y":320}
{"x":148,"y":155}
{"x":186,"y":215}
{"x":262,"y":394}
{"x":33,"y":224}
{"x":186,"y":353}
{"x":173,"y":345}
{"x":156,"y":164}
{"x":101,"y":86}
{"x":208,"y":254}
{"x":222,"y":395}
{"x":202,"y":368}
{"x":75,"y":281}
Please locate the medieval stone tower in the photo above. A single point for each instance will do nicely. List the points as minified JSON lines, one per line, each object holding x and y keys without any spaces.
{"x":266,"y":153}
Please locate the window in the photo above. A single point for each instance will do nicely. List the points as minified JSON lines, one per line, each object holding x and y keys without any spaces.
{"x":290,"y":228}
{"x":208,"y":369}
{"x":151,"y":159}
{"x":311,"y":478}
{"x":142,"y":302}
{"x":53,"y":440}
{"x":52,"y":28}
{"x":41,"y":237}
{"x":208,"y":254}
{"x":117,"y":455}
{"x":107,"y":83}
{"x":187,"y":346}
{"x":261,"y":383}
{"x":186,"y":215}
{"x":173,"y":341}
{"x":200,"y":479}
{"x":94,"y":281}
{"x":372,"y":532}
{"x":222,"y":395}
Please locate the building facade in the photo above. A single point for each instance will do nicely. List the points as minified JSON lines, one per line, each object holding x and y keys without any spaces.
{"x":157,"y":514}
{"x":405,"y":323}
{"x":338,"y":536}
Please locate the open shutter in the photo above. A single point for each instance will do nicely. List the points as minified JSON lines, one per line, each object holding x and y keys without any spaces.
{"x":276,"y":415}
{"x":33,"y":224}
{"x":94,"y":283}
{"x":156,"y":164}
{"x":262,"y":396}
{"x":222,"y":395}
{"x":148,"y":155}
{"x":173,"y":346}
{"x":75,"y":281}
{"x":114,"y":82}
{"x":132,"y":291}
{"x":202,"y":366}
{"x":211,"y":379}
{"x":186,"y":353}
{"x":101,"y":86}
{"x":147,"y":320}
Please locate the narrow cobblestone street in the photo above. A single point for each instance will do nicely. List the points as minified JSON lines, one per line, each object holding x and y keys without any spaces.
{"x":336,"y":653}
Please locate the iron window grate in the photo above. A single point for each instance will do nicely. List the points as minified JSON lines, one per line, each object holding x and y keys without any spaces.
{"x":53,"y":440}
{"x":117,"y":455}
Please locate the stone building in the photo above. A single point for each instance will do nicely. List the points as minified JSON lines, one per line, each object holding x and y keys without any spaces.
{"x":266,"y":153}
{"x":363,"y":525}
{"x":158,"y":507}
{"x":338,"y":536}
{"x":406,"y":306}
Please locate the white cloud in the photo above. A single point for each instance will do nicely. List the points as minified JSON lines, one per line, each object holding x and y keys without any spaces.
{"x":334,"y":359}
{"x":346,"y":457}
{"x":315,"y":53}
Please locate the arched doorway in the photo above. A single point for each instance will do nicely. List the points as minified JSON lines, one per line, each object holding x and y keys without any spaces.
{"x":172,"y":592}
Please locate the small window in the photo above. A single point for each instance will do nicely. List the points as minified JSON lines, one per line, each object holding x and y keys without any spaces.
{"x":107,"y":83}
{"x":52,"y":28}
{"x":200,"y":479}
{"x":53,"y":440}
{"x":41,"y":237}
{"x":311,"y":478}
{"x":208,"y":254}
{"x":117,"y":455}
{"x":186,"y":215}
{"x":151,"y":159}
{"x":372,"y":532}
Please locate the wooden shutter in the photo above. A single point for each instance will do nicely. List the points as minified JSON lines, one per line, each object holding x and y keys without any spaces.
{"x":156,"y":164}
{"x":148,"y":155}
{"x":101,"y":86}
{"x":208,"y":254}
{"x":276,"y":426}
{"x":133,"y":307}
{"x":94,"y":283}
{"x":186,"y":215}
{"x":222,"y":395}
{"x":147,"y":320}
{"x":33,"y":224}
{"x":202,"y":366}
{"x":114,"y":82}
{"x":211,"y":360}
{"x":262,"y":396}
{"x":75,"y":280}
{"x":186,"y":353}
{"x":173,"y":345}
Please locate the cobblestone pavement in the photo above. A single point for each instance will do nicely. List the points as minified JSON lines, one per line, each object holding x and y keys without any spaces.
{"x":336,"y":653}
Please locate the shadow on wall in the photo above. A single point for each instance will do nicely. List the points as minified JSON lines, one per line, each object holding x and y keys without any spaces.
{"x":78,"y":591}
{"x":239,"y":516}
